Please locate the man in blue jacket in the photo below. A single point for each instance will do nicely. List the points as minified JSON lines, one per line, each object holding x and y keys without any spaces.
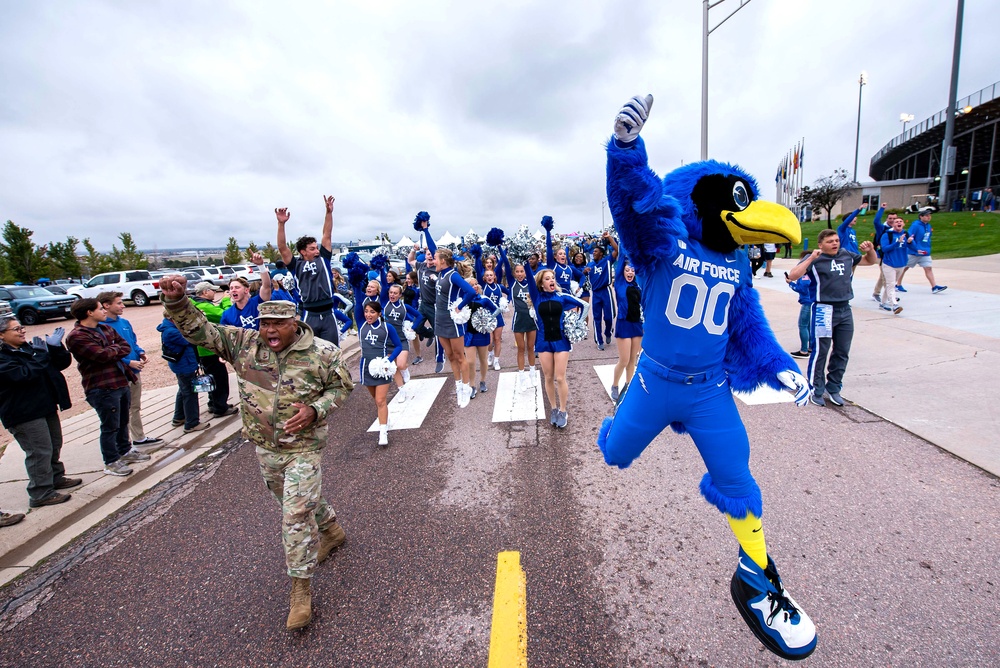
{"x":182,"y":358}
{"x":918,"y":249}
{"x":136,"y":360}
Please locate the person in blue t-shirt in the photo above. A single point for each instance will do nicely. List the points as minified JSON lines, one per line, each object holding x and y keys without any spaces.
{"x":918,"y":249}
{"x":243,"y":312}
{"x":846,"y":234}
{"x":893,"y":244}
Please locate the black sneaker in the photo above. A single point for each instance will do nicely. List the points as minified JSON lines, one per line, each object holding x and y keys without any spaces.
{"x":67,"y":483}
{"x":799,"y":353}
{"x":816,"y":399}
{"x":148,"y":441}
{"x":773,"y":616}
{"x":836,"y":399}
{"x":51,"y":500}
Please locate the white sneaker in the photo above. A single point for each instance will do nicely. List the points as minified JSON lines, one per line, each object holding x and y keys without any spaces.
{"x":496,"y":363}
{"x":406,"y":375}
{"x":523,"y":381}
{"x":489,"y":358}
{"x":459,"y":393}
{"x":401,"y":395}
{"x":534,"y":377}
{"x":383,"y":434}
{"x":464,"y":394}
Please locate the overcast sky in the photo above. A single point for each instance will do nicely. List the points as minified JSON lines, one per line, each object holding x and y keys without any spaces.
{"x":185,"y":123}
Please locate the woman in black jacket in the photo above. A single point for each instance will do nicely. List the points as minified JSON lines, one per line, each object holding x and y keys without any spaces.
{"x":32,"y":391}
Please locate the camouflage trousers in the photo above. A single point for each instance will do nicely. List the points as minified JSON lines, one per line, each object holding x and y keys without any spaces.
{"x":295,"y":481}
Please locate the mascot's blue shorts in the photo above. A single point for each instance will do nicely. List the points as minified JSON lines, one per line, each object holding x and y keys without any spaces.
{"x":561,"y":346}
{"x":701,"y":404}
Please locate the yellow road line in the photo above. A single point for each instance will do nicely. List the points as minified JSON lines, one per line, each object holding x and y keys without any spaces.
{"x":509,"y":635}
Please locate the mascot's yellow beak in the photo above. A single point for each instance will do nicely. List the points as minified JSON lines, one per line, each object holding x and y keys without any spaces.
{"x":763,"y":223}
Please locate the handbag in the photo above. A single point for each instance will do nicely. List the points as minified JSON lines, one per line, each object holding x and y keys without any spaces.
{"x":202,"y":382}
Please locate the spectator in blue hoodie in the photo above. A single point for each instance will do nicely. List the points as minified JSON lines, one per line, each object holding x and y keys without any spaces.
{"x":848,"y":239}
{"x":893,"y":243}
{"x":182,"y":358}
{"x":918,"y":249}
{"x":802,"y":288}
{"x":136,"y":360}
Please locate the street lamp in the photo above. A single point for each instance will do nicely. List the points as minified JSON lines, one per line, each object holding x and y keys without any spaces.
{"x":706,"y":31}
{"x":857,"y":140}
{"x":905,"y":118}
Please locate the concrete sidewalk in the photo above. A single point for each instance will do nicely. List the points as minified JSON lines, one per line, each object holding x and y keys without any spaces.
{"x":930,"y":369}
{"x":47,"y":529}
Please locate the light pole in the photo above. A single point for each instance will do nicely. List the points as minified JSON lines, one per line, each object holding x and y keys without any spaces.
{"x":905,"y":118}
{"x":706,"y":31}
{"x":862,"y":80}
{"x":947,"y":149}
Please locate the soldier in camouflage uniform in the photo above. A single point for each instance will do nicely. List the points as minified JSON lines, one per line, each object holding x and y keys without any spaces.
{"x":289,"y":382}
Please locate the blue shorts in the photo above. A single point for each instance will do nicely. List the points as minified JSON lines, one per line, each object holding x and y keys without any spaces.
{"x":627,"y":330}
{"x":701,"y":404}
{"x":476,"y":339}
{"x":561,"y":346}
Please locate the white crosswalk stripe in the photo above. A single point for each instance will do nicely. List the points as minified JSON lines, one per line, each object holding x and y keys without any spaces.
{"x":513,"y":406}
{"x":760,"y":396}
{"x":411,"y":413}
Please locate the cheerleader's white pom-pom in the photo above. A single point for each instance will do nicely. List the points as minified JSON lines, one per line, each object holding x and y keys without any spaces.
{"x":408,"y":330}
{"x":484,"y":321}
{"x":504,"y":302}
{"x":531,"y":313}
{"x":459,"y":316}
{"x":575,"y":327}
{"x":574,"y":289}
{"x":381,"y":367}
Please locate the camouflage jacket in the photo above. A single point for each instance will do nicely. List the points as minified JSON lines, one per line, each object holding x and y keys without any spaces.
{"x":308,"y":371}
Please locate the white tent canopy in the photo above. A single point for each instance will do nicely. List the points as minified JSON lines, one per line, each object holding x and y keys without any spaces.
{"x":447,"y":239}
{"x":539,"y":235}
{"x":405,"y":242}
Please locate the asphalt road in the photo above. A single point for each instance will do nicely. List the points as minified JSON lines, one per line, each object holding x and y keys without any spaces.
{"x":888,"y":543}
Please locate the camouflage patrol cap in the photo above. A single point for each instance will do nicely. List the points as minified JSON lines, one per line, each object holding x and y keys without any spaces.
{"x":278,"y":308}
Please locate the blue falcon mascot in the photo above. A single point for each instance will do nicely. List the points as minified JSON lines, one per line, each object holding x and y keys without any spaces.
{"x":705,"y":334}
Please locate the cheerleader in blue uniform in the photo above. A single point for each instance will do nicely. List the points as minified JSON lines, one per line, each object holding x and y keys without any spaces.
{"x":378,"y":340}
{"x":451,"y":287}
{"x":500,"y":296}
{"x":524,"y":323}
{"x":557,"y":261}
{"x":396,"y":312}
{"x":477,"y":341}
{"x":551,"y":344}
{"x":628,"y":325}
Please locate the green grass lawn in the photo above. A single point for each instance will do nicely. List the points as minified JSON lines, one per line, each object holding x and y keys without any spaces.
{"x":963,"y":234}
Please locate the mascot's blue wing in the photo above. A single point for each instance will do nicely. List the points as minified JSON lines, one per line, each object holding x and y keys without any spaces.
{"x":648,"y":222}
{"x":753,"y":356}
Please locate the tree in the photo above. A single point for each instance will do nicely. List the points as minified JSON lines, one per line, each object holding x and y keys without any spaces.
{"x":63,"y":257}
{"x":270,"y":253}
{"x":233,"y":254}
{"x":25,"y":261}
{"x":97,"y":263}
{"x":826,"y":192}
{"x":249,"y":252}
{"x":129,"y":257}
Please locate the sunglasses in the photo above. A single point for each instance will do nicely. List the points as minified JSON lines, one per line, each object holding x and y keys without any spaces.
{"x":16,"y":329}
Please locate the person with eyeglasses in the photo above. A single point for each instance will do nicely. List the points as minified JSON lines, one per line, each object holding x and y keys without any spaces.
{"x":32,"y":392}
{"x":290,"y":382}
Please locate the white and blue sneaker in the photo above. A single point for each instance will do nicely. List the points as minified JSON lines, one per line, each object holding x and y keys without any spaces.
{"x":900,"y":288}
{"x":773,"y":616}
{"x":937,"y":289}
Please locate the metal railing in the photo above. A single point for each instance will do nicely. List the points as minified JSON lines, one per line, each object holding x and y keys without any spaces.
{"x":986,"y":94}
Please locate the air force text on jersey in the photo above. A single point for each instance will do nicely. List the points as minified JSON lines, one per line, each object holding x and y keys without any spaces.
{"x":693,"y":265}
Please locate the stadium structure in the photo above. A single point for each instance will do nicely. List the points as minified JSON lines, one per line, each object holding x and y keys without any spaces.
{"x":906,"y":171}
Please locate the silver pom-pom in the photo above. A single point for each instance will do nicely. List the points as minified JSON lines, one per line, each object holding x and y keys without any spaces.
{"x":381,"y":367}
{"x":459,"y":316}
{"x":408,"y":330}
{"x":504,"y":303}
{"x":520,"y":246}
{"x":575,"y":327}
{"x":290,"y":283}
{"x":471,"y":238}
{"x":484,"y":321}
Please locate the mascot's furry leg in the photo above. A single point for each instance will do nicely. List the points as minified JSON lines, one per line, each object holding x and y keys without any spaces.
{"x":705,"y":334}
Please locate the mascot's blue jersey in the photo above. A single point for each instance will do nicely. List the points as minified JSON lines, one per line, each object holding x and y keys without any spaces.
{"x":685,"y":300}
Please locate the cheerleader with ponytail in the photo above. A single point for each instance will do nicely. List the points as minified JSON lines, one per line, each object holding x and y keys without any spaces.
{"x":380,"y":345}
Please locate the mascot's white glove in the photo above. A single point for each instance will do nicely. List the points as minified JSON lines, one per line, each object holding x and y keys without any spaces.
{"x":631,"y":118}
{"x":797,"y":383}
